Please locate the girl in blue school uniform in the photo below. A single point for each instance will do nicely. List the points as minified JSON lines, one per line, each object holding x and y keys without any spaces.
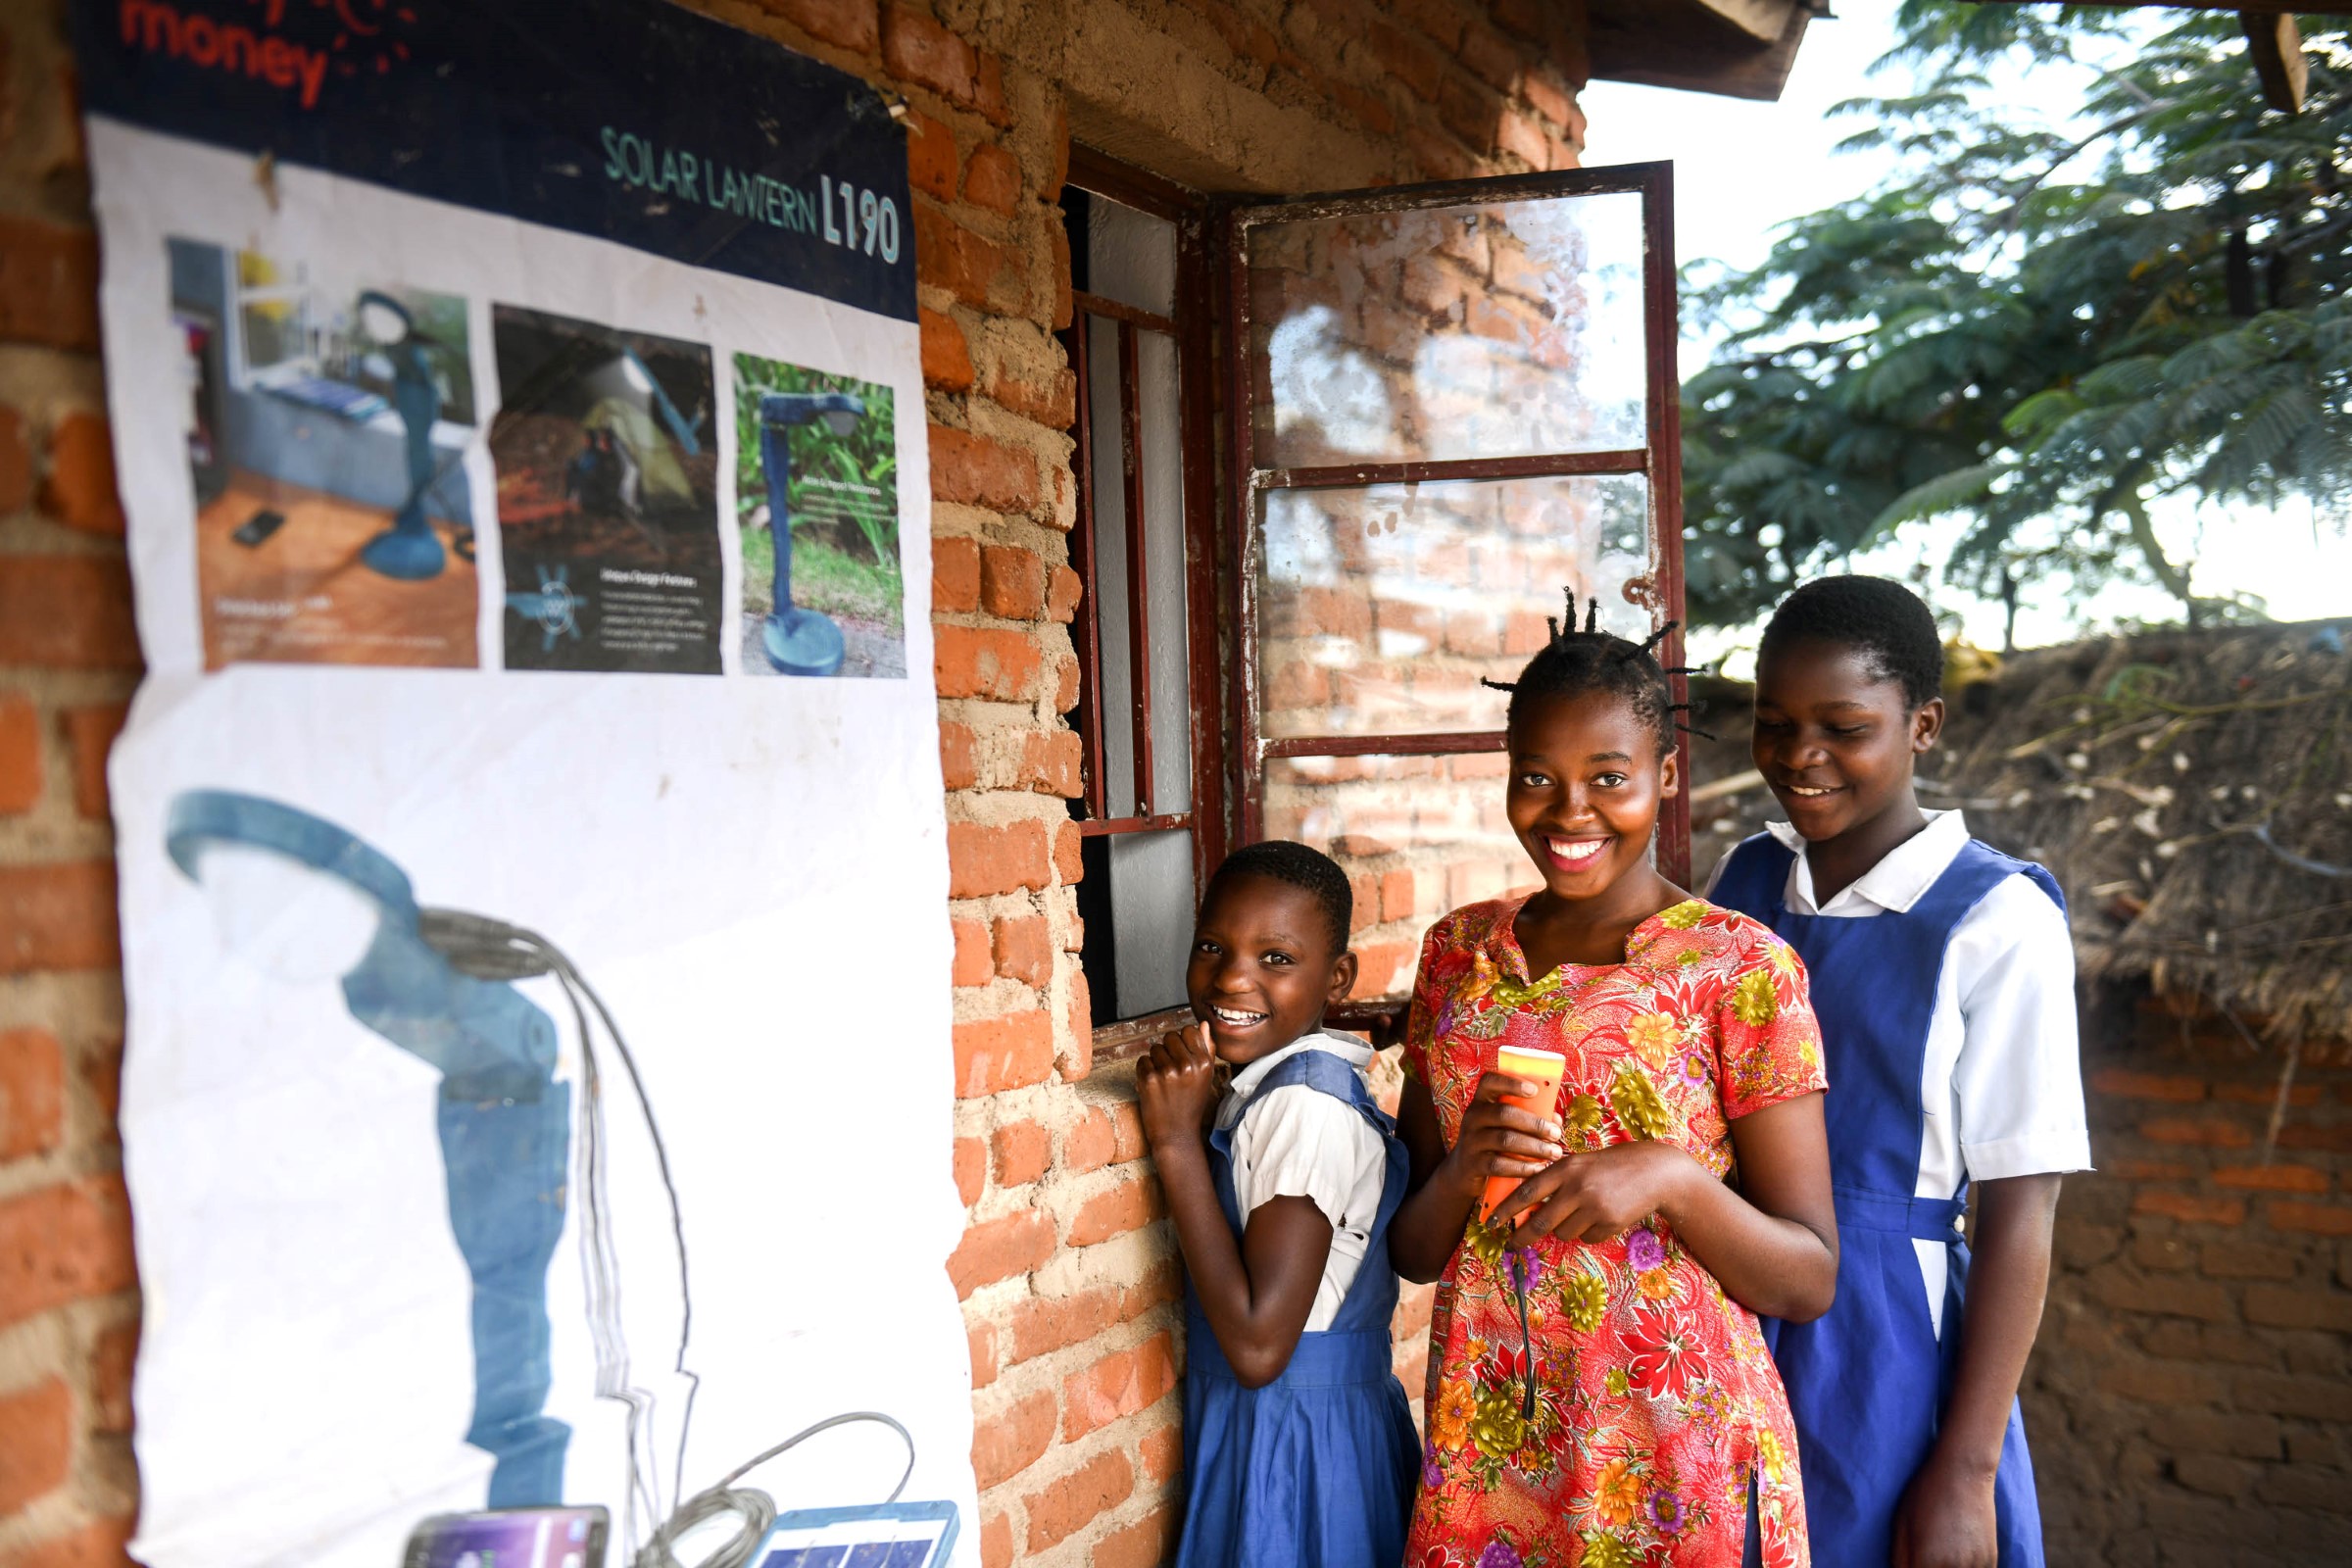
{"x":1298,"y":1445}
{"x":1944,"y":978}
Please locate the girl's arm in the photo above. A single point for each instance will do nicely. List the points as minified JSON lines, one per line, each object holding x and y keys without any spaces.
{"x":1946,"y":1518}
{"x":1771,"y":1242}
{"x":1443,"y":1186}
{"x":1257,"y":1295}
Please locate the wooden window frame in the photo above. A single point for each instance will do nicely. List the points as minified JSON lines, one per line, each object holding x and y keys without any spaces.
{"x":1658,"y":459}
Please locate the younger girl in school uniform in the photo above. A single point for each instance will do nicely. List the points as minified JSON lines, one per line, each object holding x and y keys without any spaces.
{"x":1945,"y":979}
{"x":1298,"y":1445}
{"x":1600,"y":1391}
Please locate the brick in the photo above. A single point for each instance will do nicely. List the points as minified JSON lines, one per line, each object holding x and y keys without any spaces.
{"x":2306,"y":1399}
{"x":103,"y":1545}
{"x":1053,"y":763}
{"x":2163,"y":1298}
{"x":1054,"y":405}
{"x":916,"y":49}
{"x":999,"y":1248}
{"x":971,"y":1169}
{"x":15,"y":462}
{"x":2161,"y":1383}
{"x":947,"y":356}
{"x":2275,"y":1307}
{"x":849,"y":23}
{"x":1162,"y":1452}
{"x":2266,"y":1095}
{"x":973,"y":469}
{"x":980,"y":1340}
{"x":1552,"y":99}
{"x":2175,"y":1087}
{"x":958,"y":755}
{"x":1024,"y":950}
{"x":1065,"y":687}
{"x":48,"y":284}
{"x":1128,"y":1206}
{"x":930,"y":156}
{"x":996,"y":1542}
{"x":79,"y":491}
{"x":2210,"y":1132}
{"x":2271,"y":1178}
{"x":984,"y":859}
{"x":2149,"y":1170}
{"x":986,"y":662}
{"x":1078,"y":1019}
{"x":1078,"y":1498}
{"x":2298,"y":1486}
{"x":991,"y":178}
{"x":976,"y":270}
{"x":32,"y":1093}
{"x":1012,"y":582}
{"x":2245,"y":1261}
{"x":91,"y":733}
{"x":2215,"y":1476}
{"x":1397,"y":896}
{"x":65,"y":611}
{"x":973,"y":966}
{"x":993,"y":1054}
{"x":65,"y":1243}
{"x":1118,"y":1384}
{"x":1141,"y":1544}
{"x":2322,"y":1219}
{"x":1009,"y":1443}
{"x":58,"y":915}
{"x":954,"y":574}
{"x":1439,"y":20}
{"x":2337,"y":1140}
{"x":112,"y":1357}
{"x":20,"y":754}
{"x":1091,"y":1143}
{"x":1063,"y":593}
{"x":2163,"y":1254}
{"x":1469,"y":111}
{"x":1515,"y":132}
{"x":1045,"y":1324}
{"x":1023,"y":1151}
{"x":2191,"y":1208}
{"x":1066,"y":863}
{"x":36,"y":1442}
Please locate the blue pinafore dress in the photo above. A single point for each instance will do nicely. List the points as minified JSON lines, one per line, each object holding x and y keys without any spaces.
{"x":1316,"y":1468}
{"x":1868,"y":1381}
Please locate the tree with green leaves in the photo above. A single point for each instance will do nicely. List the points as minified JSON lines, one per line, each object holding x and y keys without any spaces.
{"x":2038,"y":329}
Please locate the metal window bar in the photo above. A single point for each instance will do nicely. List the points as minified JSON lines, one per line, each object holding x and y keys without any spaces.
{"x":1658,"y":459}
{"x":1130,"y":323}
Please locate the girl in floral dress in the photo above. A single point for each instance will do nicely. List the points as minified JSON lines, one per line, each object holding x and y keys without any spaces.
{"x":1599,"y":1390}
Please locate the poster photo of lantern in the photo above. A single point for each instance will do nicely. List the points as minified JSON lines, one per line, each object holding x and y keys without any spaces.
{"x":608,"y":499}
{"x":328,"y":415}
{"x":817,"y":497}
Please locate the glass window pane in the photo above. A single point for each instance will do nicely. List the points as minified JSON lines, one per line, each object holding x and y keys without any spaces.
{"x":1380,"y":609}
{"x":1485,"y":330}
{"x":1417,"y":836}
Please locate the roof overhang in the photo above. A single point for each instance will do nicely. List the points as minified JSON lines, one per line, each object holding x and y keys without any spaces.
{"x":1733,"y":48}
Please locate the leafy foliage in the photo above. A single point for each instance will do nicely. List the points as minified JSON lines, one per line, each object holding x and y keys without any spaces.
{"x":866,"y":459}
{"x":2035,"y":330}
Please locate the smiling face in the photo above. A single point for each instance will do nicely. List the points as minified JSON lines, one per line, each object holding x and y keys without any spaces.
{"x":1585,"y":783}
{"x":1834,"y":738}
{"x":1264,"y":966}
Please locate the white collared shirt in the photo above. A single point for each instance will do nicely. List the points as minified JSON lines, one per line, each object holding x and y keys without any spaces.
{"x":2001,"y":1083}
{"x":1297,"y":1141}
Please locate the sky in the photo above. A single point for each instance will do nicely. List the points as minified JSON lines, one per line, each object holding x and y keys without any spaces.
{"x":1741,"y":169}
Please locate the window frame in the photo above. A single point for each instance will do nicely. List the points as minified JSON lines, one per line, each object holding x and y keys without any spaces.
{"x":1658,"y":459}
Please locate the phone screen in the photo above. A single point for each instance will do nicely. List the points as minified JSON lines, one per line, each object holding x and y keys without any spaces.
{"x":520,"y":1538}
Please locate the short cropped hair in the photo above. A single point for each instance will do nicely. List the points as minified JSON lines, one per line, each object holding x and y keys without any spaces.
{"x":1884,"y":620}
{"x":1301,"y":866}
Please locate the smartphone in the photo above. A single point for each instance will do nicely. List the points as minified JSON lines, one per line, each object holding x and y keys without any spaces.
{"x":510,"y":1537}
{"x":1543,"y":1068}
{"x":257,"y":529}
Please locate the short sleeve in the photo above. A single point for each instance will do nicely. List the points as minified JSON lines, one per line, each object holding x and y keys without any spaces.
{"x":2019,"y":1079}
{"x":1298,"y":1142}
{"x":1767,"y":1042}
{"x":1420,"y":1019}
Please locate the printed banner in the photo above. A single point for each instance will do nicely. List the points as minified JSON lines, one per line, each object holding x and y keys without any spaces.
{"x":532,"y":833}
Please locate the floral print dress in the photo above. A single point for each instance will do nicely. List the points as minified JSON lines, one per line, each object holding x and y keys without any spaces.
{"x":1608,"y":1404}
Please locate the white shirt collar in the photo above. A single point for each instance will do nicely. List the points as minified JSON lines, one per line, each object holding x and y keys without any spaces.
{"x":1346,"y":1048}
{"x":1899,"y":880}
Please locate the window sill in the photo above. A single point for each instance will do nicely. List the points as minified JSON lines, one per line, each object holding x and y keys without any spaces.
{"x":1129,"y":1039}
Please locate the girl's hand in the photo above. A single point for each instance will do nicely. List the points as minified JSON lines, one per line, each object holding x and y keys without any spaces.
{"x":1946,"y":1519}
{"x":1500,"y":1140}
{"x":1600,"y":1195}
{"x":1176,"y":1087}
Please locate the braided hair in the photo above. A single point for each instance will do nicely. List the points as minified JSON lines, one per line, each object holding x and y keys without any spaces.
{"x":1574,"y":663}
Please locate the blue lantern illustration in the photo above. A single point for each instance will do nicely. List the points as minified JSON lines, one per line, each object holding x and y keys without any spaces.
{"x":797,"y":641}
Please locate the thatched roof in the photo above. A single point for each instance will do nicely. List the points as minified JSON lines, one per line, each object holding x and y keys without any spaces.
{"x":2191,"y":790}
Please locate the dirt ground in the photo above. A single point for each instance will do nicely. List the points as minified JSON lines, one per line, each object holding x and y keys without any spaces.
{"x":872,"y":651}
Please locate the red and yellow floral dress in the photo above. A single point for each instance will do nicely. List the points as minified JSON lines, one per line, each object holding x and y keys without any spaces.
{"x":1607,"y":1405}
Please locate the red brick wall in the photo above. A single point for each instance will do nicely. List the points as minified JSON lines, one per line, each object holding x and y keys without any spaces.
{"x":2192,"y":1397}
{"x":1067,"y":1271}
